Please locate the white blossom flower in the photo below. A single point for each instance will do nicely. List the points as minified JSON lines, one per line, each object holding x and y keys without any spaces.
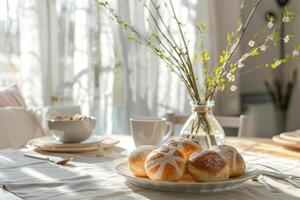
{"x":286,"y":39}
{"x":277,"y":63}
{"x":286,"y":19}
{"x":240,"y":65}
{"x":230,"y":77}
{"x":270,"y":24}
{"x":233,"y":88}
{"x":251,"y":43}
{"x":296,"y":52}
{"x":263,"y":47}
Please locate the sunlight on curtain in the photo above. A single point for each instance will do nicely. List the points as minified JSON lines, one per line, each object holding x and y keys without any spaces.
{"x":106,"y":79}
{"x":65,"y":10}
{"x":150,"y":89}
{"x":30,"y":52}
{"x":83,"y":83}
{"x":97,"y":67}
{"x":9,"y":42}
{"x":174,"y":97}
{"x":128,"y":80}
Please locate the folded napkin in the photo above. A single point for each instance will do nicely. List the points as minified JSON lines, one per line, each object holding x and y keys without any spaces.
{"x":283,"y":186}
{"x":33,"y":179}
{"x":10,"y":158}
{"x":275,"y":178}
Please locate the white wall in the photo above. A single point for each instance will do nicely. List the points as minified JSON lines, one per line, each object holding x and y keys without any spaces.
{"x":227,"y":12}
{"x":294,"y":111}
{"x":253,"y":82}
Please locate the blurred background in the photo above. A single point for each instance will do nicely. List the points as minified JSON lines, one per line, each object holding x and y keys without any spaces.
{"x":68,"y":52}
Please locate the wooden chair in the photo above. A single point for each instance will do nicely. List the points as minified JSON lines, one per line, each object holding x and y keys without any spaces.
{"x":242,"y":123}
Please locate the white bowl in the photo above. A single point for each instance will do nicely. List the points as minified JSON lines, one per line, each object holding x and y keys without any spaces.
{"x":72,"y":131}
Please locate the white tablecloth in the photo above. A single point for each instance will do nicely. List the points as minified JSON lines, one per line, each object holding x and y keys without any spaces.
{"x":91,"y":177}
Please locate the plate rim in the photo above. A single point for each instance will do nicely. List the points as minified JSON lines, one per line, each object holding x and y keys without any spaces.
{"x":286,"y":143}
{"x":285,"y":136}
{"x":64,"y":145}
{"x":73,"y":147}
{"x":252,"y":173}
{"x":35,"y":142}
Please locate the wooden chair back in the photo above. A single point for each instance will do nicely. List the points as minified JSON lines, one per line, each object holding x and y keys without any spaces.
{"x":242,"y":123}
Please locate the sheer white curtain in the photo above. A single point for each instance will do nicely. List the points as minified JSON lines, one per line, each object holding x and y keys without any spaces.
{"x":24,"y":48}
{"x":111,"y":77}
{"x":134,"y":82}
{"x":72,"y":53}
{"x":31,"y":52}
{"x":9,"y":42}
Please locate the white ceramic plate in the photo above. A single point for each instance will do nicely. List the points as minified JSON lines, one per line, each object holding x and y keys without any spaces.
{"x":184,"y":186}
{"x":66,"y":150}
{"x":50,"y":144}
{"x":292,"y":136}
{"x":286,"y":143}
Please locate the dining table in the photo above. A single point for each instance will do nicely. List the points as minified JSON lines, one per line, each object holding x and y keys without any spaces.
{"x":90,"y":176}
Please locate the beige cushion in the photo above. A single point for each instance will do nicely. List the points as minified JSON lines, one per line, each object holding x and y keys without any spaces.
{"x":18,"y":126}
{"x":11,"y":96}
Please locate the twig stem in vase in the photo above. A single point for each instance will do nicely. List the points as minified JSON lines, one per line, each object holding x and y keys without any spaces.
{"x":175,"y":52}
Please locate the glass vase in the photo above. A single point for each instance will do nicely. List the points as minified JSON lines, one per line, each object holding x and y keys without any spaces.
{"x":202,"y":126}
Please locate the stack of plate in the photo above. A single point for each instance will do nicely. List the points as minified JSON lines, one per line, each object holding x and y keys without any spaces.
{"x":49,"y":143}
{"x":288,"y":139}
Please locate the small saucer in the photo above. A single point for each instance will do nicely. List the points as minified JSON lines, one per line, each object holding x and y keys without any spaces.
{"x":292,"y":136}
{"x":49,"y":143}
{"x":286,"y":143}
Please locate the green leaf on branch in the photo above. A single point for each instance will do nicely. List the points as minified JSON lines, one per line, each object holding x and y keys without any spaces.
{"x":233,"y":67}
{"x":275,"y":38}
{"x":288,"y":15}
{"x":102,"y":3}
{"x":255,"y":52}
{"x":130,"y":37}
{"x":204,"y":56}
{"x":218,"y":70}
{"x":201,"y":26}
{"x":230,"y":37}
{"x":195,"y":56}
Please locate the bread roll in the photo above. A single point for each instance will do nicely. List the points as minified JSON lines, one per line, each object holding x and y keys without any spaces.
{"x":165,"y":164}
{"x":235,"y":160}
{"x":136,"y":160}
{"x":208,"y":166}
{"x":184,"y":145}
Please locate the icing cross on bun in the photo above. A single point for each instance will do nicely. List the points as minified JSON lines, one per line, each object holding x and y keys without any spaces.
{"x":184,"y":145}
{"x":136,"y":160}
{"x":208,"y":166}
{"x":165,"y":164}
{"x":234,"y":159}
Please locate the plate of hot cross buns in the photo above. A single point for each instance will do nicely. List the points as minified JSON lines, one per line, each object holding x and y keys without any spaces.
{"x":180,"y":164}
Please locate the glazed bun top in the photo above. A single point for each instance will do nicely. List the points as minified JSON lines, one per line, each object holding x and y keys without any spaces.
{"x":235,"y":160}
{"x":162,"y":157}
{"x":165,"y":152}
{"x":185,"y":145}
{"x":226,"y":150}
{"x":179,"y":142}
{"x":209,"y":161}
{"x":136,"y":160}
{"x":141,"y":151}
